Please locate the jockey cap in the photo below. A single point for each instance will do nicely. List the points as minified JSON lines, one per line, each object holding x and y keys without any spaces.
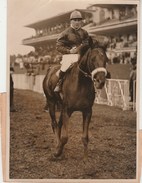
{"x":75,"y":15}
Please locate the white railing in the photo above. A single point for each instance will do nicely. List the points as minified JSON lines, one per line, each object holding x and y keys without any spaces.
{"x":34,"y":83}
{"x":114,"y":93}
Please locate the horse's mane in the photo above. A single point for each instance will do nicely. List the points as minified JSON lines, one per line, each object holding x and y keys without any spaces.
{"x":83,"y":50}
{"x":92,"y":44}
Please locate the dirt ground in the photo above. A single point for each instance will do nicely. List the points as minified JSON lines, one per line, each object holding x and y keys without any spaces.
{"x":112,"y":146}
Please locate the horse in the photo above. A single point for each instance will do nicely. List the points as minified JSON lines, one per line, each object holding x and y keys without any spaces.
{"x":78,"y":93}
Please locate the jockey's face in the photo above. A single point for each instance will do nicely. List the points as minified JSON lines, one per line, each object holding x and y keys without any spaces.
{"x":76,"y":23}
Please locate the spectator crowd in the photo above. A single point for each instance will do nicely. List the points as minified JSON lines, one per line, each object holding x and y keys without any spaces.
{"x":34,"y":62}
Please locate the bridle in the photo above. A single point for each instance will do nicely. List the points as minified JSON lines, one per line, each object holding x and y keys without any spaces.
{"x":92,"y":73}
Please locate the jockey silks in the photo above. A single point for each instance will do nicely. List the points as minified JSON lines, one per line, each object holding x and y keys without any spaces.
{"x":71,"y":38}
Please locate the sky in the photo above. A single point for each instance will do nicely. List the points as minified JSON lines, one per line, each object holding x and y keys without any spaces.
{"x":24,"y":12}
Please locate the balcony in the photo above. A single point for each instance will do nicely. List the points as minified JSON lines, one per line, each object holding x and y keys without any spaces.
{"x":114,"y":26}
{"x":42,"y":38}
{"x":107,"y":28}
{"x":34,"y":40}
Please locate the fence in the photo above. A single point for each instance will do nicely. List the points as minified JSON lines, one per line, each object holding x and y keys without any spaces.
{"x":114,"y":93}
{"x":25,"y":82}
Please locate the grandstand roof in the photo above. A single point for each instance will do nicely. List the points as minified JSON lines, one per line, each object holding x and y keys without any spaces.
{"x":60,"y":18}
{"x":112,"y":5}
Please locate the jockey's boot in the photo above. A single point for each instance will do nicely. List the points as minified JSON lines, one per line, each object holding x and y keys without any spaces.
{"x":60,"y":82}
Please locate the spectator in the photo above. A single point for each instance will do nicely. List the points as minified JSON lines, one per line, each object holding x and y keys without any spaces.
{"x":12,"y":60}
{"x":12,"y":108}
{"x":132,"y":84}
{"x":19,"y":60}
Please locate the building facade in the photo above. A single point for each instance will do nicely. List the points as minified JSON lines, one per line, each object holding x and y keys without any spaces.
{"x":118,"y":24}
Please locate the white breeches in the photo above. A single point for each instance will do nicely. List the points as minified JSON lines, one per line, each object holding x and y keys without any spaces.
{"x":67,"y":61}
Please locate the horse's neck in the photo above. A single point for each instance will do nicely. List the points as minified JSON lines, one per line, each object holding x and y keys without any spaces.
{"x":77,"y":76}
{"x":74,"y":72}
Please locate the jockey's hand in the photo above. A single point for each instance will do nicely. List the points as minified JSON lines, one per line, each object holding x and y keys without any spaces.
{"x":74,"y":50}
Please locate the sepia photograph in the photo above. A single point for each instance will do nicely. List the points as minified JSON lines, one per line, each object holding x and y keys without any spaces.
{"x":73,"y":90}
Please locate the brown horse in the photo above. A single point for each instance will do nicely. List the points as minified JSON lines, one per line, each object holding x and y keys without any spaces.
{"x":78,"y":93}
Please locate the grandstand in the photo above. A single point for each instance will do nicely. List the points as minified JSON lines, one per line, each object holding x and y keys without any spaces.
{"x":114,"y":22}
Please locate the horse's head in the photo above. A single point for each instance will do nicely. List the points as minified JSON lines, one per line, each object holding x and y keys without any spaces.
{"x":93,"y":64}
{"x":97,"y":62}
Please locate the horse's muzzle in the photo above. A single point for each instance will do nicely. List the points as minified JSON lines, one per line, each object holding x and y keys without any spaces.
{"x":99,"y":84}
{"x":99,"y":80}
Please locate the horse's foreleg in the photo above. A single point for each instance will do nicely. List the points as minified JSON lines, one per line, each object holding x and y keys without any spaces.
{"x":64,"y":137}
{"x":54,"y":124}
{"x":86,"y":121}
{"x":52,"y":115}
{"x":60,"y":123}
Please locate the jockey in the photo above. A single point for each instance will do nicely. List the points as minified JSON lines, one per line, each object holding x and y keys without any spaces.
{"x":67,"y":44}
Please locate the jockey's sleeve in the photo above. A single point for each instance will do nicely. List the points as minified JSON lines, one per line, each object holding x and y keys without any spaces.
{"x":61,"y":48}
{"x":61,"y":44}
{"x":64,"y":44}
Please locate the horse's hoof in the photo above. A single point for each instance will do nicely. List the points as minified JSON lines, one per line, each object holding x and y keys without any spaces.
{"x":58,"y":153}
{"x":56,"y":158}
{"x":53,"y":129}
{"x":85,"y":159}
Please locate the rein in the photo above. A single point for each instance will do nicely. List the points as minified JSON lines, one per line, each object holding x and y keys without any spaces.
{"x":85,"y":73}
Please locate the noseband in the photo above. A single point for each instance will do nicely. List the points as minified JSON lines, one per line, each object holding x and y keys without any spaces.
{"x":99,"y":69}
{"x":91,"y":74}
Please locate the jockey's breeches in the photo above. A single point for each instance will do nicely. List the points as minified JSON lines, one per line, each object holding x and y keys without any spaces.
{"x":67,"y":61}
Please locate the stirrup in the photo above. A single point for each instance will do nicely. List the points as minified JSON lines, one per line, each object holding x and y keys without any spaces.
{"x":57,"y":89}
